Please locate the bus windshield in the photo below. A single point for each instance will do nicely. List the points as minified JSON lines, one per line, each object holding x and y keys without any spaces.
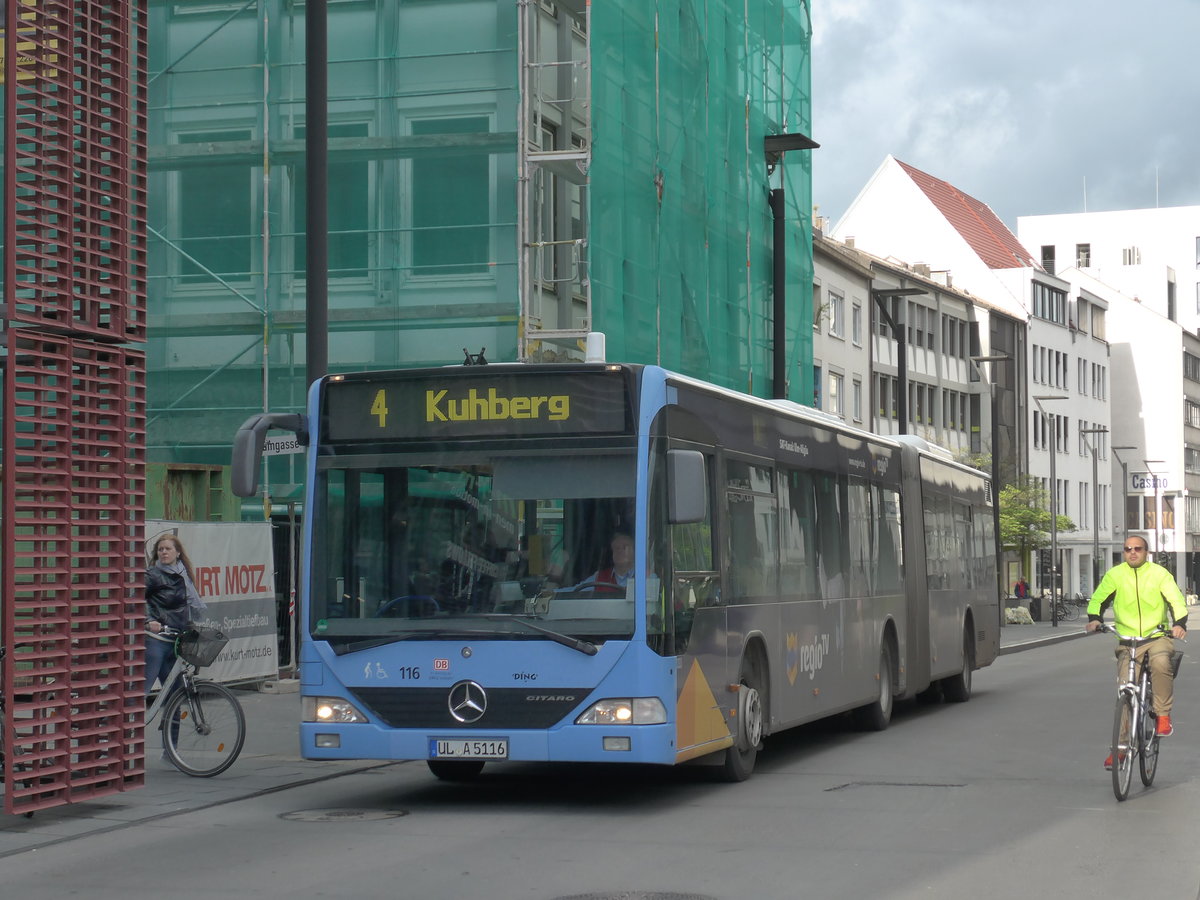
{"x":474,"y":544}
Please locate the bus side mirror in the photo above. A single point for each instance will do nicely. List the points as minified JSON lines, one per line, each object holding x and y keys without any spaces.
{"x":687,"y":487}
{"x":248,"y":447}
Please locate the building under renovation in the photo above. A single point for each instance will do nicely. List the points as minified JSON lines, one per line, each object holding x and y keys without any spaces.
{"x":503,"y":176}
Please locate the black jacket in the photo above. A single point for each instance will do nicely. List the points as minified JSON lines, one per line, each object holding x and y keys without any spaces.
{"x":166,"y":598}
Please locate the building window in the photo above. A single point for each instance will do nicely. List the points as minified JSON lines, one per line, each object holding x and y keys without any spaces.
{"x":1131,"y":256}
{"x":835,"y":393}
{"x":856,"y":324}
{"x":856,"y":399}
{"x":450,"y":226}
{"x":837,"y":315}
{"x":816,"y":387}
{"x":1191,"y":367}
{"x":214,"y":223}
{"x":892,"y":305}
{"x":1049,"y":303}
{"x":1083,"y":255}
{"x":347,"y":209}
{"x":1048,"y":258}
{"x":1191,"y":413}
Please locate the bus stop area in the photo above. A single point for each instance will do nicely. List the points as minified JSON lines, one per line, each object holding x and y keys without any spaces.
{"x":271,"y":762}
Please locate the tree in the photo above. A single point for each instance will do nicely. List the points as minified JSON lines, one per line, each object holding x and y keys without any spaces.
{"x":1025,"y":517}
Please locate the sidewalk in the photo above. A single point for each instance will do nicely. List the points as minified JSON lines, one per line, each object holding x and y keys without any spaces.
{"x":1026,"y":637}
{"x":271,"y":762}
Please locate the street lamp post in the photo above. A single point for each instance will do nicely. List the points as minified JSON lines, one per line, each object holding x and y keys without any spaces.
{"x":1158,"y":512}
{"x":1092,"y":445}
{"x":1000,"y":587}
{"x":1124,"y":487}
{"x":1053,"y":505}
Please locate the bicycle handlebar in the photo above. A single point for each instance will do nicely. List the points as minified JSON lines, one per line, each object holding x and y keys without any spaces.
{"x":165,"y":633}
{"x":1108,"y":628}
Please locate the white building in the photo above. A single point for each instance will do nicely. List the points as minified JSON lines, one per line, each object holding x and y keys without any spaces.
{"x":1154,"y":445}
{"x":1152,"y":255}
{"x":906,"y":213}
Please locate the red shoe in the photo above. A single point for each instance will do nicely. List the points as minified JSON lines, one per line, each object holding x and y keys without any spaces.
{"x":1164,"y":728}
{"x":1108,"y":760}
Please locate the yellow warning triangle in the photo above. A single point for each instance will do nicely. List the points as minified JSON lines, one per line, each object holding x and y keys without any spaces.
{"x":699,"y":719}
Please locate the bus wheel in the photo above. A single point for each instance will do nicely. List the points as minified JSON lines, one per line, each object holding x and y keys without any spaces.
{"x":456,"y":769}
{"x":877,"y":714}
{"x":740,"y":758}
{"x":957,"y":688}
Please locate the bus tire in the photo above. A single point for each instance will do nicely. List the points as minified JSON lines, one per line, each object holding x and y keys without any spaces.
{"x":877,"y":715}
{"x":752,"y":711}
{"x":455,"y":769}
{"x":957,"y":688}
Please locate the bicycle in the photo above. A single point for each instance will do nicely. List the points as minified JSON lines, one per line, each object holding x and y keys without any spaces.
{"x":1063,"y":610}
{"x":1135,"y":704}
{"x":203,"y":726}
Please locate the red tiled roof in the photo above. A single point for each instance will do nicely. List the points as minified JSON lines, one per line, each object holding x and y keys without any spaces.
{"x":979,"y":226}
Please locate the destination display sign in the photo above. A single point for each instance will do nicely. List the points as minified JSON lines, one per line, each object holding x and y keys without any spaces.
{"x":398,"y":406}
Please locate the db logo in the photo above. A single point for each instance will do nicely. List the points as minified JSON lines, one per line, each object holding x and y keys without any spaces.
{"x":441,"y":665}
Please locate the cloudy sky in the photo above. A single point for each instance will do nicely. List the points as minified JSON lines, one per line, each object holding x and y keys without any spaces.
{"x":1027,"y":105}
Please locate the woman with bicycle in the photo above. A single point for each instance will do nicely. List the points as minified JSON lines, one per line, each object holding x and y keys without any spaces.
{"x":1141,"y":592}
{"x":171,"y":602}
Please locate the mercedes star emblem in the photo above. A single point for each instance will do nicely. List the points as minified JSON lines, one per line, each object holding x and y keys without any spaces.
{"x":467,"y":702}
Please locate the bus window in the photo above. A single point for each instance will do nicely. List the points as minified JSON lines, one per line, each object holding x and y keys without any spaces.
{"x":798,"y":550}
{"x":409,"y":549}
{"x":753,"y":534}
{"x":861,"y":548}
{"x":889,"y":575}
{"x":832,"y":534}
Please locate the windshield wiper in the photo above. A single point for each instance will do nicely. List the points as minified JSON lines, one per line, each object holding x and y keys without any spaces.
{"x":343,"y":644}
{"x":585,"y":647}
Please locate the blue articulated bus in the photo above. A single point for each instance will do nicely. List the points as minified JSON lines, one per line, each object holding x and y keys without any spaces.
{"x":613,"y":563}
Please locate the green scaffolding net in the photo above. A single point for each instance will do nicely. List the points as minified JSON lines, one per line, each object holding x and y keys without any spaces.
{"x":439,"y":237}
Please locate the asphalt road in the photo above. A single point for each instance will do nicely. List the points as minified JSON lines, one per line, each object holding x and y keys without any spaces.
{"x":1001,"y":797}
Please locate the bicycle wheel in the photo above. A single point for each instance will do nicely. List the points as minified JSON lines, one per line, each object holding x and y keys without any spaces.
{"x":1122,"y":748}
{"x":1067,"y":612}
{"x":203,"y":732}
{"x":1148,"y":746}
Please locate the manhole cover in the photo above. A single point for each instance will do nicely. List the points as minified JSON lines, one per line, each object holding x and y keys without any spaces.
{"x":343,"y":815}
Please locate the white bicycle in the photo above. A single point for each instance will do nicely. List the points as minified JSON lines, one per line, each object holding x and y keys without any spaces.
{"x":203,"y":726}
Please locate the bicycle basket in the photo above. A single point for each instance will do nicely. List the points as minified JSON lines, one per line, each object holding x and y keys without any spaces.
{"x":200,"y":646}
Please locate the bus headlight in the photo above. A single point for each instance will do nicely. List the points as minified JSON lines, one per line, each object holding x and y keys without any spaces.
{"x":624,"y":711}
{"x":330,"y":710}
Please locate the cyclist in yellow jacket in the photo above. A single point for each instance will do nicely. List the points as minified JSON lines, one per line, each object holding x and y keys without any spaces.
{"x":1140,"y":593}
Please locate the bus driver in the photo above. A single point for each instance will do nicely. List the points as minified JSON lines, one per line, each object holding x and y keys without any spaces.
{"x":614,"y":578}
